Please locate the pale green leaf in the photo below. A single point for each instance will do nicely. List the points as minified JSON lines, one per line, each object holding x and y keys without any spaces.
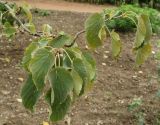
{"x":93,"y":27}
{"x":116,"y":44}
{"x":47,"y":30}
{"x":31,"y":27}
{"x":26,"y":9}
{"x":143,"y":53}
{"x":80,"y":67}
{"x":27,"y":54}
{"x":102,"y":33}
{"x":9,"y":30}
{"x":41,"y":62}
{"x":78,"y":82}
{"x":141,"y":32}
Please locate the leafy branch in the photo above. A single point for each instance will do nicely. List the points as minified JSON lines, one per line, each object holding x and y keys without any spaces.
{"x":69,"y":70}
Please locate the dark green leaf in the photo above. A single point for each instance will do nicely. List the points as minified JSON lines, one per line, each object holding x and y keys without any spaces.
{"x":59,"y":110}
{"x":62,"y":84}
{"x":29,"y":94}
{"x":41,"y":62}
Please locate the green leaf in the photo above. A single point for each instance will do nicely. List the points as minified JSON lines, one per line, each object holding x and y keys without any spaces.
{"x":94,"y":30}
{"x":43,"y":42}
{"x":62,"y":84}
{"x":141,"y":32}
{"x":80,"y":67}
{"x":47,"y":30}
{"x":9,"y":30}
{"x":60,"y":110}
{"x":116,"y":44}
{"x":135,"y":104}
{"x":31,"y":27}
{"x":27,"y":54}
{"x":143,"y":53}
{"x":26,"y":9}
{"x":148,"y":28}
{"x":29,"y":94}
{"x":144,"y":31}
{"x":102,"y":33}
{"x":50,"y":96}
{"x":60,"y":41}
{"x":78,"y":82}
{"x":41,"y":62}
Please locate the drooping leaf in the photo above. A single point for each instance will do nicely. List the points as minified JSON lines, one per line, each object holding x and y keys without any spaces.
{"x":148,"y":28}
{"x":59,"y":110}
{"x":60,"y":41}
{"x":62,"y":84}
{"x":27,"y":54}
{"x":29,"y":94}
{"x":9,"y":30}
{"x":78,"y":82}
{"x":102,"y":33}
{"x":141,"y":32}
{"x":116,"y":44}
{"x":143,"y":53}
{"x":50,"y":96}
{"x":40,"y":64}
{"x":94,"y":30}
{"x":80,"y":68}
{"x":144,"y":31}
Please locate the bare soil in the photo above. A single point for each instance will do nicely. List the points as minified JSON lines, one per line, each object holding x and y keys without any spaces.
{"x":117,"y":84}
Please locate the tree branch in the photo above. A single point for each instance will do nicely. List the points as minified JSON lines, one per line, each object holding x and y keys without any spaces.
{"x":75,"y":38}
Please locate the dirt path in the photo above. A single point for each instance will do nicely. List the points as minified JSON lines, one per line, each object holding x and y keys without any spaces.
{"x":64,"y":6}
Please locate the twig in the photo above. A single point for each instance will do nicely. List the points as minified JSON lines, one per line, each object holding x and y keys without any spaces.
{"x":75,"y":38}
